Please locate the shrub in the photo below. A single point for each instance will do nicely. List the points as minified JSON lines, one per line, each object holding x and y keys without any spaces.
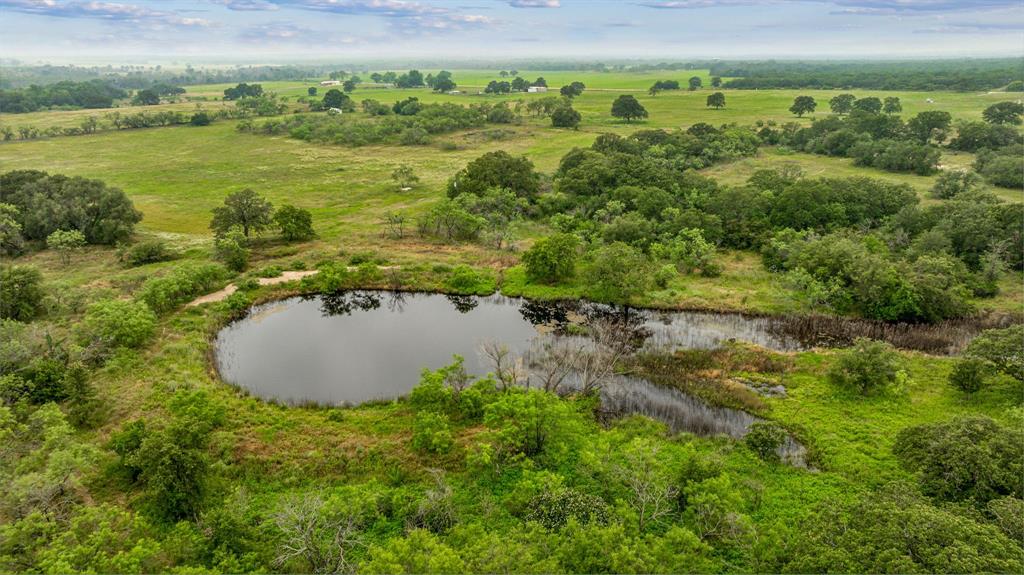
{"x":968,"y":374}
{"x":554,"y":508}
{"x":147,"y":252}
{"x":65,"y":242}
{"x":867,"y":366}
{"x":1001,"y":347}
{"x":952,"y":183}
{"x":21,"y":293}
{"x":971,"y":459}
{"x":120,"y":323}
{"x":230,"y":250}
{"x":296,"y":224}
{"x":464,"y":279}
{"x":430,"y":433}
{"x":764,"y":438}
{"x":665,"y":275}
{"x":616,"y":273}
{"x":551,"y":259}
{"x":162,"y":294}
{"x":565,"y":117}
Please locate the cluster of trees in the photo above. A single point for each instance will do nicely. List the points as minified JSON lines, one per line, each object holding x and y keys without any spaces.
{"x":245,"y":214}
{"x":516,"y":85}
{"x":66,"y":95}
{"x":37,"y":204}
{"x":662,"y":85}
{"x":408,"y":122}
{"x":957,"y":75}
{"x":243,"y":90}
{"x":870,"y":131}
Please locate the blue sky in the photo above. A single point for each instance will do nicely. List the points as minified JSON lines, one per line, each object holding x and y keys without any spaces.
{"x":351,"y":30}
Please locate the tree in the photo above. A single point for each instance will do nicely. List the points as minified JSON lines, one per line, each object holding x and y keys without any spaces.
{"x":335,"y":98}
{"x":892,"y":105}
{"x":146,"y":97}
{"x":12,"y":243}
{"x":318,"y":535}
{"x":565,"y":117}
{"x":865,"y":367}
{"x":716,"y":81}
{"x":651,"y":492}
{"x":928,"y":125}
{"x":200,"y":118}
{"x":628,"y":108}
{"x":617,"y":272}
{"x":952,"y":183}
{"x":405,"y":177}
{"x":245,"y":209}
{"x":497,"y":169}
{"x":972,"y":459}
{"x":540,"y":82}
{"x":348,"y":86}
{"x":716,"y":100}
{"x":870,"y":104}
{"x":311,"y":91}
{"x":119,"y":323}
{"x":695,"y":83}
{"x":842,"y":104}
{"x":21,"y":293}
{"x":765,"y":438}
{"x":968,"y":374}
{"x":552,"y":259}
{"x":443,"y":82}
{"x":572,"y":90}
{"x":296,"y":224}
{"x":494,"y":87}
{"x":518,"y":84}
{"x":65,"y":243}
{"x":803,"y":105}
{"x":1004,"y":113}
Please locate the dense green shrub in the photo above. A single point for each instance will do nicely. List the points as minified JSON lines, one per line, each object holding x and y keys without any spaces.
{"x":764,"y":438}
{"x":21,"y":293}
{"x":1002,"y":348}
{"x":970,"y":459}
{"x":968,"y":374}
{"x":616,"y":273}
{"x":551,"y":259}
{"x":865,"y":367}
{"x":296,"y":224}
{"x":430,"y":433}
{"x":496,"y":170}
{"x":554,"y":508}
{"x":119,"y":323}
{"x":146,"y":252}
{"x":184,"y":283}
{"x":230,"y":249}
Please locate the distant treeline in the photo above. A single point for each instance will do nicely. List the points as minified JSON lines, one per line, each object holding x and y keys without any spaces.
{"x":90,"y":94}
{"x":957,"y":75}
{"x":140,"y":77}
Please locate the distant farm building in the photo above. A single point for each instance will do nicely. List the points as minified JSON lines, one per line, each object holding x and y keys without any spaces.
{"x":334,"y":111}
{"x":537,"y":89}
{"x":330,"y":83}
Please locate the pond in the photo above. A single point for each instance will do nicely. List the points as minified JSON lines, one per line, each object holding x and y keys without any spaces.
{"x":352,"y":347}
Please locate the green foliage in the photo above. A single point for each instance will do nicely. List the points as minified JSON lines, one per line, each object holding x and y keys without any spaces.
{"x":716,"y":100}
{"x":764,"y":438}
{"x":244,"y":209}
{"x":66,"y":243}
{"x":897,"y":531}
{"x":968,"y":374}
{"x":466,"y":280}
{"x":48,"y":203}
{"x":952,"y":183}
{"x":551,"y":259}
{"x":1004,"y":113}
{"x":431,"y":434}
{"x":146,"y":252}
{"x":496,"y":170}
{"x":531,"y":423}
{"x":616,"y":273}
{"x":230,"y":249}
{"x":803,"y":105}
{"x":296,"y":224}
{"x":867,"y":366}
{"x":21,"y":293}
{"x":553,"y":509}
{"x":184,"y":283}
{"x":628,"y":108}
{"x":12,"y":243}
{"x":971,"y":459}
{"x":119,"y":323}
{"x":565,"y":117}
{"x":689,"y":251}
{"x":1002,"y":348}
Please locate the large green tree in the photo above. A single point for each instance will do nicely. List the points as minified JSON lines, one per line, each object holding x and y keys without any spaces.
{"x":628,"y":108}
{"x":803,"y":105}
{"x":244,"y":209}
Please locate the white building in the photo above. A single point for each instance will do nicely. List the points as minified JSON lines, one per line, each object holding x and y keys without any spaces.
{"x":331,"y":83}
{"x":537,"y":89}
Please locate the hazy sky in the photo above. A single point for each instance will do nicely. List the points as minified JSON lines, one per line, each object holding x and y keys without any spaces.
{"x":348,"y":30}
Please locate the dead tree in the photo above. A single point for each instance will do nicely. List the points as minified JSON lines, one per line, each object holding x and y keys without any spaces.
{"x":309,"y":532}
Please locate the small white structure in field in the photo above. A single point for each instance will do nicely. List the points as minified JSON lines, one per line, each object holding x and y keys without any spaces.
{"x":930,"y":101}
{"x":453,"y":92}
{"x":330,"y":83}
{"x":537,"y":89}
{"x":334,"y":111}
